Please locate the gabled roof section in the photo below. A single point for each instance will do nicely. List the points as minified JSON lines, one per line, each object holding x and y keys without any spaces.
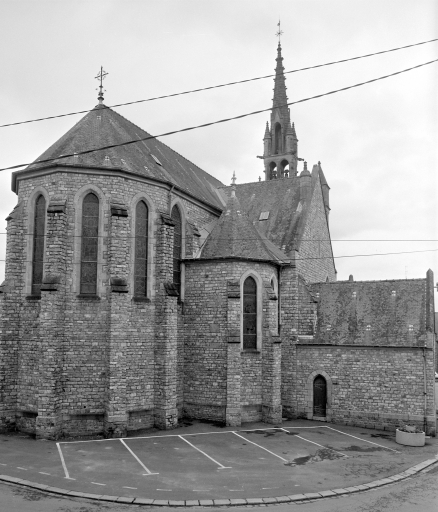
{"x":102,"y":126}
{"x":234,"y":236}
{"x":281,"y":198}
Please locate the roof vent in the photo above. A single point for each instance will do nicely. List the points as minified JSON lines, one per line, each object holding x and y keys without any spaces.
{"x":264,"y":216}
{"x":156,"y":159}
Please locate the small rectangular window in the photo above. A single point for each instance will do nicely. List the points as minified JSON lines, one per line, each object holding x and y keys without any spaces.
{"x":156,"y":159}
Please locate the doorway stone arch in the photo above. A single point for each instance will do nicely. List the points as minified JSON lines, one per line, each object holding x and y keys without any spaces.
{"x":309,"y":393}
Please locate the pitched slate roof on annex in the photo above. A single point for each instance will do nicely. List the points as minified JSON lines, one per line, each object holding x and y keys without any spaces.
{"x":281,"y":199}
{"x":234,"y":236}
{"x":102,"y":126}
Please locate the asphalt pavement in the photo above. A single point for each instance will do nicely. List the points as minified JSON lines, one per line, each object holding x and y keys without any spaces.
{"x":202,"y":464}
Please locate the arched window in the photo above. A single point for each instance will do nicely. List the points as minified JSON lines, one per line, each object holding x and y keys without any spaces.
{"x":249,"y":313}
{"x":141,"y":250}
{"x":278,"y":141}
{"x":177,"y":243}
{"x":89,"y":244}
{"x":38,"y":245}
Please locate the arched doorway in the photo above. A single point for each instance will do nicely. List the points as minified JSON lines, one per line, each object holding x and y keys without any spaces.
{"x":319,"y":396}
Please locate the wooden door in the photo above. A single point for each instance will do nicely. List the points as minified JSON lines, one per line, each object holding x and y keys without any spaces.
{"x":319,"y":396}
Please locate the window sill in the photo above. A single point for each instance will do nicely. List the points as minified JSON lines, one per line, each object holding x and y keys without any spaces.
{"x":33,"y":297}
{"x":141,"y":299}
{"x":250,"y":351}
{"x":88,"y":296}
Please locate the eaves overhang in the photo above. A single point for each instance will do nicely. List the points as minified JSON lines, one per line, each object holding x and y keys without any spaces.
{"x":290,"y":263}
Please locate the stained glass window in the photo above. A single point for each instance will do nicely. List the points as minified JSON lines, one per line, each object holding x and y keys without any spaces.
{"x":177,"y":238}
{"x":90,"y":232}
{"x":141,"y":250}
{"x":38,"y":245}
{"x":249,"y":313}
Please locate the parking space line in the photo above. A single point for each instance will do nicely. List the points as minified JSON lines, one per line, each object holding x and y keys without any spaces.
{"x":63,"y":463}
{"x":126,"y":487}
{"x":95,"y":483}
{"x":176,"y":435}
{"x":138,"y":460}
{"x":360,"y":439}
{"x":317,"y":444}
{"x":203,"y":453}
{"x":43,"y":473}
{"x":266,"y":450}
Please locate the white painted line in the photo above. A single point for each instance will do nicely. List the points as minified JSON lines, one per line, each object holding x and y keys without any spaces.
{"x":266,"y":450}
{"x":221,"y":466}
{"x":265,"y":488}
{"x":42,"y":473}
{"x":3,"y":464}
{"x":24,"y":469}
{"x":236,"y":490}
{"x":201,"y":490}
{"x":126,"y":487}
{"x":137,"y":459}
{"x":317,"y":444}
{"x":95,"y":483}
{"x":164,"y":489}
{"x":360,"y":439}
{"x":63,"y":463}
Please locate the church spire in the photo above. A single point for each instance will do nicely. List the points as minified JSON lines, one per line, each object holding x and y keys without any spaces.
{"x":280,"y":97}
{"x":280,"y":142}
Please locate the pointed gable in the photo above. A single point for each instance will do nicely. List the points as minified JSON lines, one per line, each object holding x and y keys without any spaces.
{"x":234,"y":236}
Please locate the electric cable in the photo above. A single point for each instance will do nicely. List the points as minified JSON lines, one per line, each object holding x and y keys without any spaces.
{"x":294,"y":259}
{"x":204,"y":125}
{"x":221,"y":85}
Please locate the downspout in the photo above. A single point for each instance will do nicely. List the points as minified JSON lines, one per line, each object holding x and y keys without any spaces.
{"x":278,"y":300}
{"x":425,"y":390}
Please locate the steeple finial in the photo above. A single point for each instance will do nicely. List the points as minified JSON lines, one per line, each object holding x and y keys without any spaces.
{"x":233,"y":185}
{"x":100,"y":76}
{"x":233,"y":179}
{"x":279,"y":33}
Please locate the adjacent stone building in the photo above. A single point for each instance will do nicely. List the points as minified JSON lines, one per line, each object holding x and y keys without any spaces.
{"x":139,"y":289}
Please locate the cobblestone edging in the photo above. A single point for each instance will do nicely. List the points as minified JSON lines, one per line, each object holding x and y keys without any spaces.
{"x":224,"y":502}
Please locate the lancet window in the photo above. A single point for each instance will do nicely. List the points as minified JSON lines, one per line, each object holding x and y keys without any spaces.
{"x":177,"y":244}
{"x":38,"y":245}
{"x":141,"y":249}
{"x":89,"y":244}
{"x":249,"y":314}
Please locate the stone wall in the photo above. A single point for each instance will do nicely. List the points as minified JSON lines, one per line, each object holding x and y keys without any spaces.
{"x":107,"y":343}
{"x":374,"y":344}
{"x":222,"y":382}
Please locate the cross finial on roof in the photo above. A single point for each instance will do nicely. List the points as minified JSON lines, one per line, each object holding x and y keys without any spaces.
{"x":100,"y":76}
{"x":279,"y":32}
{"x":233,"y":179}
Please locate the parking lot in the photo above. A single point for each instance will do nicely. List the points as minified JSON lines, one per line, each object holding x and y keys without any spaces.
{"x":201,"y":461}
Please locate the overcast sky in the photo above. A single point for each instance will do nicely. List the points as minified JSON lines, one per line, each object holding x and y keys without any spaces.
{"x":377,"y":143}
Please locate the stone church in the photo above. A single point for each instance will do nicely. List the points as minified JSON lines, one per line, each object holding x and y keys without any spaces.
{"x":139,"y":290}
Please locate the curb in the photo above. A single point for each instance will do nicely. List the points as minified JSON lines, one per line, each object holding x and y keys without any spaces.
{"x":224,"y":502}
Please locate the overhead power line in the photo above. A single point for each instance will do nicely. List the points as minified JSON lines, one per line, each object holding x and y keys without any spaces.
{"x":204,"y":125}
{"x":222,"y":85}
{"x":301,"y":259}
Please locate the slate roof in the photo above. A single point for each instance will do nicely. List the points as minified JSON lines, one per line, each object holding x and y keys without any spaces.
{"x":234,"y":236}
{"x":349,"y":307}
{"x":281,"y":199}
{"x":102,"y":126}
